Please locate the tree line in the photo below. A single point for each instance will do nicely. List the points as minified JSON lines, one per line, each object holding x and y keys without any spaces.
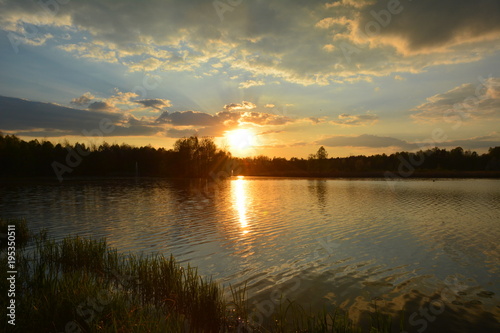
{"x":201,"y":158}
{"x":190,"y":157}
{"x":424,"y":163}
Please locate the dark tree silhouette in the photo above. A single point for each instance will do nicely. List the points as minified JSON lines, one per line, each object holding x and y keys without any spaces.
{"x":200,"y":157}
{"x":322,"y":153}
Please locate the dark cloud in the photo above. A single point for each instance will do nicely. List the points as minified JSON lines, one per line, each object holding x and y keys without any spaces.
{"x":187,"y":118}
{"x":155,"y":103}
{"x":486,"y":141}
{"x":20,"y":114}
{"x":99,"y":106}
{"x":428,"y":24}
{"x":366,"y":141}
{"x":375,"y":141}
{"x":37,"y":119}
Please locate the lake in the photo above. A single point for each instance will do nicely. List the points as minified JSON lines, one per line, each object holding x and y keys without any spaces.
{"x":428,"y":246}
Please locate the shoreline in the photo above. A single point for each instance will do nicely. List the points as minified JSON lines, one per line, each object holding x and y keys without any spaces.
{"x":383,"y":175}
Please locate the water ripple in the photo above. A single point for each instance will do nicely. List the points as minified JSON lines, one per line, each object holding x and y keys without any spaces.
{"x":346,"y":242}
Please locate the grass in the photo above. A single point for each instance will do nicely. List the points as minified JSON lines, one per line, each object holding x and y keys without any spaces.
{"x":82,"y":285}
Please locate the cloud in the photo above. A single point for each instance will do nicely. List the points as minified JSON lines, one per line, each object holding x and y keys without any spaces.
{"x":83,"y":100}
{"x":240,"y":106}
{"x":289,"y":145}
{"x":101,"y":106}
{"x":428,"y":26}
{"x":227,"y":119}
{"x":327,"y":22}
{"x":204,"y":124}
{"x":302,"y":42}
{"x":92,"y":51}
{"x":106,"y":104}
{"x":262,"y":119}
{"x":120,"y":99}
{"x":187,"y":118}
{"x":349,"y":3}
{"x":28,"y":118}
{"x":155,"y":103}
{"x":355,"y":120}
{"x":485,"y":141}
{"x":270,"y":132}
{"x":251,"y":83}
{"x":45,"y":119}
{"x":467,"y":101}
{"x":375,"y":141}
{"x":317,"y":120}
{"x":366,"y":141}
{"x":180,"y":133}
{"x":37,"y":119}
{"x":146,"y":65}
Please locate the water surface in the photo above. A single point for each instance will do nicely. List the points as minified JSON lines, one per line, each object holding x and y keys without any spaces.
{"x":348,"y":243}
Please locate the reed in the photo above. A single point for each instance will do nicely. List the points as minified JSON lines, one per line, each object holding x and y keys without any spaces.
{"x":82,"y":285}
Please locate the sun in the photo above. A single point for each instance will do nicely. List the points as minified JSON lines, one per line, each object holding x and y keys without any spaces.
{"x":240,"y":140}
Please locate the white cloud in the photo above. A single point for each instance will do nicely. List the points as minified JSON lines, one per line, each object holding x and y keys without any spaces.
{"x":467,"y":101}
{"x":146,"y":65}
{"x":251,"y":83}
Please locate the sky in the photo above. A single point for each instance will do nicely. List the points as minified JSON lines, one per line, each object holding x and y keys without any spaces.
{"x":357,"y":77}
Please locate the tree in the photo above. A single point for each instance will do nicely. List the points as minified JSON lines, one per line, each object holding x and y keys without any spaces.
{"x":322,"y":154}
{"x":187,"y":159}
{"x":198,"y":157}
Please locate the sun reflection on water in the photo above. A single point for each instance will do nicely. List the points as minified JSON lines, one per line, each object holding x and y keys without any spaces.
{"x":241,"y":201}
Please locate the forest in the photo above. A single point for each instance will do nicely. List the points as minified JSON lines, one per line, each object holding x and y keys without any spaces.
{"x":201,"y":158}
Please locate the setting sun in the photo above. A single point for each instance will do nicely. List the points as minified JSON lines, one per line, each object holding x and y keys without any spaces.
{"x":240,"y":140}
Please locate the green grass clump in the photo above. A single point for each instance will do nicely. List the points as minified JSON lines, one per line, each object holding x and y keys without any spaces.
{"x":82,"y":285}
